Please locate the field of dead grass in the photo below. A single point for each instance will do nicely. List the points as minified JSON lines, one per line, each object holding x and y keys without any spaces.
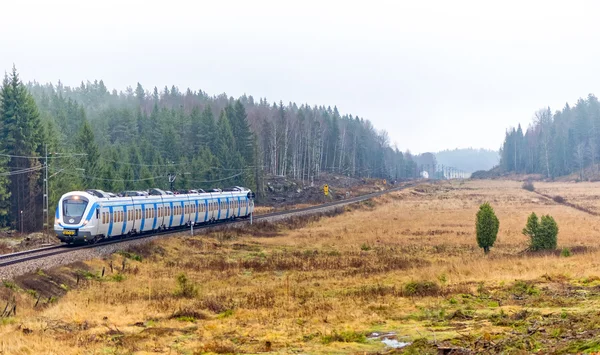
{"x":405,"y":264}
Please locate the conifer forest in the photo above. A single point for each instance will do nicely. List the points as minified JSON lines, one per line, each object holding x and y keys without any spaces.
{"x":97,"y":137}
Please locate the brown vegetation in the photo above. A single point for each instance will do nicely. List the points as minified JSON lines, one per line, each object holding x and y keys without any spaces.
{"x":405,"y":263}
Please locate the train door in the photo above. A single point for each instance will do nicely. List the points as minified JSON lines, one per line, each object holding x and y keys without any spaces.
{"x":103,"y":221}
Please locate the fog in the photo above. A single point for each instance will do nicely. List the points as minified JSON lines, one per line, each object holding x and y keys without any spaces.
{"x":434,"y":74}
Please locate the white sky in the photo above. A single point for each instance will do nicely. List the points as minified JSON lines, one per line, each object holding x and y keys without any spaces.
{"x":434,"y":74}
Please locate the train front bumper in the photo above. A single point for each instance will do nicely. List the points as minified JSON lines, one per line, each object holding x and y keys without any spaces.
{"x":73,"y":235}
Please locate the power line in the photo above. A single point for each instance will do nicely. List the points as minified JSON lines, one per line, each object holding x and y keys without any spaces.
{"x":54,"y":156}
{"x":179,"y":164}
{"x":223,"y":179}
{"x":118,"y":180}
{"x":23,"y":171}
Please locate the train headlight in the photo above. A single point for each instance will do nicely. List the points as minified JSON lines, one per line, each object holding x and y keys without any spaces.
{"x":57,"y":221}
{"x":85,"y":222}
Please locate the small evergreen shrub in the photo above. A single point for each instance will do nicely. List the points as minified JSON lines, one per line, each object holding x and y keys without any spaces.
{"x":185,"y":288}
{"x":543,"y":232}
{"x":528,"y":185}
{"x":486,"y":226}
{"x":566,"y":252}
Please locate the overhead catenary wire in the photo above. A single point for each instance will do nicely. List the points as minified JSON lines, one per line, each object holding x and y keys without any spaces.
{"x":218,"y":180}
{"x":22,"y":171}
{"x":167,"y":165}
{"x":53,"y":156}
{"x":117,"y":180}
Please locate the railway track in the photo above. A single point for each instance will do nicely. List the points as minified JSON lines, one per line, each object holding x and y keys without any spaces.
{"x":40,"y":253}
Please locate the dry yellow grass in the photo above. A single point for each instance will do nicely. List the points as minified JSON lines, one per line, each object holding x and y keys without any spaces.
{"x":322,"y":287}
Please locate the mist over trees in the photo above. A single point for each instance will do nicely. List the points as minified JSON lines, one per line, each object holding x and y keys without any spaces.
{"x":469,"y":159}
{"x":555,"y":144}
{"x":135,"y":139}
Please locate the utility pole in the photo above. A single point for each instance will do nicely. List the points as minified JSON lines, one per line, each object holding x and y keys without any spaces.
{"x":172,"y":177}
{"x":45,"y":207}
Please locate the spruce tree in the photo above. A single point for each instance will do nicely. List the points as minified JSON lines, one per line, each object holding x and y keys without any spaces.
{"x":4,"y":191}
{"x":208,"y":131}
{"x":22,"y":135}
{"x":86,"y":144}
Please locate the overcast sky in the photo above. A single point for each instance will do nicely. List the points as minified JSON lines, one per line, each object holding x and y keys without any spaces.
{"x":434,"y":74}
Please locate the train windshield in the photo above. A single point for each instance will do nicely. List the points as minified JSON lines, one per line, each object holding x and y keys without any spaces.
{"x":73,"y":209}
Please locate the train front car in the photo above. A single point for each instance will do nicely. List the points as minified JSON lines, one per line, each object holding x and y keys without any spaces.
{"x":76,"y":218}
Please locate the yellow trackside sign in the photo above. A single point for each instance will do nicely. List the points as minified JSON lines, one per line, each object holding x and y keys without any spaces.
{"x":326,"y":189}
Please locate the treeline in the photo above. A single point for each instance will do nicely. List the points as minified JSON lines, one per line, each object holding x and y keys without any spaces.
{"x":137,"y":138}
{"x":560,"y":143}
{"x":468,"y":159}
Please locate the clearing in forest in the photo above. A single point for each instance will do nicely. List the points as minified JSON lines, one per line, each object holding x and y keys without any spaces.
{"x":405,"y":265}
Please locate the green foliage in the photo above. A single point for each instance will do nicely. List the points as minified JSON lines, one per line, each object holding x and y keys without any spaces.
{"x":565,"y":252}
{"x":132,"y":140}
{"x":557,"y":143}
{"x":117,"y":277}
{"x":185,"y":288}
{"x":543,"y":234}
{"x":486,"y":226}
{"x":344,"y":337}
{"x":365,"y":247}
{"x":130,"y":255}
{"x":421,"y":288}
{"x":10,"y":285}
{"x":21,"y":134}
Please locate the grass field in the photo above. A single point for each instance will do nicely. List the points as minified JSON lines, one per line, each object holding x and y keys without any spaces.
{"x":406,"y":265}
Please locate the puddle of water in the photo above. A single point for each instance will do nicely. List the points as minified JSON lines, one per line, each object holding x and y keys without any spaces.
{"x":390,"y":340}
{"x":394,"y":343}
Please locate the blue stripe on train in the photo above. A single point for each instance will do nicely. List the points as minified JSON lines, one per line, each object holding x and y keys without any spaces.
{"x":196,"y":219}
{"x":227,"y":206}
{"x":110,"y":216}
{"x":124,"y":219}
{"x":155,"y":217}
{"x":171,"y":213}
{"x":205,"y":210}
{"x":182,"y":214}
{"x":143,"y":219}
{"x":219,"y":208}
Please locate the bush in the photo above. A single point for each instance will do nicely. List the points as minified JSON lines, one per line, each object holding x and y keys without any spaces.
{"x":558,"y":199}
{"x":421,"y":288}
{"x":185,"y":288}
{"x":486,"y":226}
{"x":566,"y":252}
{"x":543,"y":233}
{"x":528,"y":185}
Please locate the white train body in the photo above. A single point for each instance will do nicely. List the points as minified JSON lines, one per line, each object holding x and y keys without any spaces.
{"x":84,"y":217}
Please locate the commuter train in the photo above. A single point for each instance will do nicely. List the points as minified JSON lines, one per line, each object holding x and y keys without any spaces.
{"x":93,"y":215}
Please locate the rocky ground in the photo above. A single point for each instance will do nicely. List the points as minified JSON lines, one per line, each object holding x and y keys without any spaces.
{"x":282,"y":192}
